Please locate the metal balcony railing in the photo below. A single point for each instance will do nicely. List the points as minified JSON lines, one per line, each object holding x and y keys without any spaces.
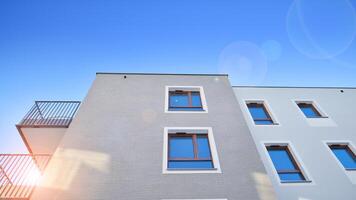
{"x":20,"y":174}
{"x":50,"y":114}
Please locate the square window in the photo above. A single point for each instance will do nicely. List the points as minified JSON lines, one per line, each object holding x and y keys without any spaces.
{"x":190,"y":150}
{"x":285,"y":165}
{"x":193,"y":199}
{"x":259,"y":114}
{"x":345,"y":155}
{"x":183,"y":99}
{"x":309,"y":110}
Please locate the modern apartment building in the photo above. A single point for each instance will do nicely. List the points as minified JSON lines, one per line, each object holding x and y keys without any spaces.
{"x":186,"y":137}
{"x":305,"y":137}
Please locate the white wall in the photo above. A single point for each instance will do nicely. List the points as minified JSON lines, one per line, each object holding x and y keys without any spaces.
{"x":308,"y":138}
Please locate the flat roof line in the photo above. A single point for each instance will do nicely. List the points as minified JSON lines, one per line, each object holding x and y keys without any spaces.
{"x":169,"y":74}
{"x":236,"y":86}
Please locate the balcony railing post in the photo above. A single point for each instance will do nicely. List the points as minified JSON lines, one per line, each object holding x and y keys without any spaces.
{"x":39,"y":110}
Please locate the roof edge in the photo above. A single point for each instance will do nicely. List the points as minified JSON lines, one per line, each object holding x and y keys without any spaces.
{"x":305,"y":87}
{"x":168,"y":74}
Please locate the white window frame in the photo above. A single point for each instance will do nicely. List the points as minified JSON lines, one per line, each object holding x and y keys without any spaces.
{"x":193,"y":199}
{"x":213,"y":150}
{"x":185,"y":88}
{"x":315,"y":105}
{"x":297,"y":159}
{"x":351,"y":174}
{"x":341,"y":142}
{"x":268,"y":109}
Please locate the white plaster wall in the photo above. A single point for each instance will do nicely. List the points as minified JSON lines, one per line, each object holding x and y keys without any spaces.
{"x":308,"y":137}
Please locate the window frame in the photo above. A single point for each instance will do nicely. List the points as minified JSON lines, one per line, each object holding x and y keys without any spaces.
{"x":195,"y":148}
{"x":266,"y":109}
{"x":345,"y":146}
{"x":190,"y":104}
{"x":295,"y":160}
{"x":189,"y":130}
{"x":186,"y":89}
{"x":314,"y":106}
{"x":193,"y":199}
{"x":302,"y":105}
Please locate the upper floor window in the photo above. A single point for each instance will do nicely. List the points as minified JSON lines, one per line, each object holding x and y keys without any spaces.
{"x":309,"y":110}
{"x":189,"y":151}
{"x":185,"y":100}
{"x":181,"y":99}
{"x":285,"y":164}
{"x":345,"y":155}
{"x":259,"y":114}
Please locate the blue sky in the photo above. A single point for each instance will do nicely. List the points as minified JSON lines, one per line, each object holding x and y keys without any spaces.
{"x":50,"y":50}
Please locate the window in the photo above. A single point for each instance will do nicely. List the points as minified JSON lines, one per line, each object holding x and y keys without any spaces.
{"x":185,"y":100}
{"x":285,"y":165}
{"x":189,"y":151}
{"x":259,"y":114}
{"x":193,"y":199}
{"x":345,"y":155}
{"x":309,"y":110}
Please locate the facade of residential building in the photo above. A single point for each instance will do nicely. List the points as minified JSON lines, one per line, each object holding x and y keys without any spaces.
{"x":308,"y":124}
{"x":116,"y":147}
{"x":188,"y":137}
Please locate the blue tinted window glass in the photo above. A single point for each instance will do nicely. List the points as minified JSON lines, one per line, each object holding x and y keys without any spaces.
{"x":196,"y":101}
{"x":345,"y":157}
{"x":291,"y":177}
{"x":178,"y":100}
{"x":281,"y":159}
{"x":181,"y":147}
{"x":258,"y":113}
{"x":263,"y":122}
{"x":203,"y":147}
{"x":190,"y":164}
{"x":309,"y":112}
{"x":188,"y":108}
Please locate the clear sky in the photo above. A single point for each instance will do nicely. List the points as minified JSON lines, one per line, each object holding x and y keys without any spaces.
{"x":50,"y":50}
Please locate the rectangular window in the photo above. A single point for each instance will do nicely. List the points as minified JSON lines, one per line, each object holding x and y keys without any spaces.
{"x":309,"y":110}
{"x":193,"y":199}
{"x":185,"y":100}
{"x":259,"y":114}
{"x":189,"y":151}
{"x":345,"y":155}
{"x":284,"y":163}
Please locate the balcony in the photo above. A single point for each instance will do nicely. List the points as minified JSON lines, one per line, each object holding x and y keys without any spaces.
{"x":50,"y":114}
{"x":20,"y":174}
{"x":45,"y":124}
